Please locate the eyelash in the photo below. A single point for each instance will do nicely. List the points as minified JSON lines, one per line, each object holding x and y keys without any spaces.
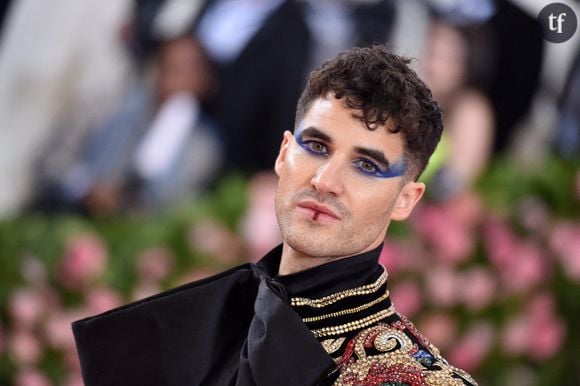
{"x":308,"y":146}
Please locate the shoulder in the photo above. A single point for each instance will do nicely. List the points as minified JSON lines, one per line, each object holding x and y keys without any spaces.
{"x":396,"y":353}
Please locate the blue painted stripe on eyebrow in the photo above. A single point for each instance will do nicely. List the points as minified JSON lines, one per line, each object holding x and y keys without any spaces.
{"x":313,"y":132}
{"x":397,"y":169}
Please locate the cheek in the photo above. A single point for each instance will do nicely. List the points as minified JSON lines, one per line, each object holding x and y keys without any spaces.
{"x":371,"y":205}
{"x":292,"y":176}
{"x":293,"y":159}
{"x":299,"y":166}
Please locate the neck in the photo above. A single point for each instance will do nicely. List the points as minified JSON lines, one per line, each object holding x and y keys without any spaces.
{"x":293,"y":261}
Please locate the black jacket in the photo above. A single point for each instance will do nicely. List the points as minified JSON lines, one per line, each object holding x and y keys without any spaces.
{"x":236,"y":328}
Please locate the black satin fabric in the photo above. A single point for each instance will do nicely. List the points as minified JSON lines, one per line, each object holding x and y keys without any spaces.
{"x":236,"y":328}
{"x":331,"y":277}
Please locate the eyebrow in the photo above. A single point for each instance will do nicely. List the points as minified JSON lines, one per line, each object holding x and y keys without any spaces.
{"x":376,"y":155}
{"x":313,"y":132}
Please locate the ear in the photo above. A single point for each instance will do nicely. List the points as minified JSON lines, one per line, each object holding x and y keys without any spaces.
{"x":408,"y":197}
{"x":286,"y":138}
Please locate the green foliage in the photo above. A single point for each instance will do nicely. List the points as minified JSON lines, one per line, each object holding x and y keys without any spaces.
{"x":506,"y":184}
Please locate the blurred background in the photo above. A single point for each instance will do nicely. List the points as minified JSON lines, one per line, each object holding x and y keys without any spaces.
{"x":137,"y":145}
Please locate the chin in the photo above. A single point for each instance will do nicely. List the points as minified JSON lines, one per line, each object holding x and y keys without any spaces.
{"x":314,"y":244}
{"x":311,"y":245}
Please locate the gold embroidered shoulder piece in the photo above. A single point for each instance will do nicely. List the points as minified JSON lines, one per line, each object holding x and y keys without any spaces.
{"x":385,"y":355}
{"x":371,"y":343}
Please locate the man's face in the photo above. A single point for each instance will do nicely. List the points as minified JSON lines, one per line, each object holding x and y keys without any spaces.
{"x":339,"y":183}
{"x":183,"y":68}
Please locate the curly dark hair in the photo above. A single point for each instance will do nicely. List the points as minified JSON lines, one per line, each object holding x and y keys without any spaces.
{"x":379,"y":85}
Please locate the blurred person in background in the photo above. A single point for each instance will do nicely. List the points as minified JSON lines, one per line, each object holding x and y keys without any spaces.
{"x":511,"y":35}
{"x":263,"y":49}
{"x":316,"y":309}
{"x":160,"y":146}
{"x":338,"y":25}
{"x":567,"y":136}
{"x":259,"y":50}
{"x":519,"y":49}
{"x":456,"y":66}
{"x":54,"y":61}
{"x":4,"y":6}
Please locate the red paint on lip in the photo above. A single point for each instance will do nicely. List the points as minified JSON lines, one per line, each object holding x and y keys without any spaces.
{"x":318,"y":209}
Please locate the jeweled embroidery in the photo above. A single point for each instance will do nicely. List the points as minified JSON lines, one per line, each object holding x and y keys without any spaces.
{"x":333,"y":344}
{"x":331,"y":299}
{"x":386,"y":355}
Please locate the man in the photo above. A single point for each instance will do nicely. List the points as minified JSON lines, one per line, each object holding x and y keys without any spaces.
{"x":159,"y":146}
{"x":315,"y":310}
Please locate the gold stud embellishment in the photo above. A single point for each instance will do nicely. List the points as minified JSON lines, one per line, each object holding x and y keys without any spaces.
{"x":332,"y":345}
{"x":354,"y":325}
{"x":333,"y":298}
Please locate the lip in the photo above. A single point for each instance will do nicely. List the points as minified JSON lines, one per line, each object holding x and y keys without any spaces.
{"x":316,"y":207}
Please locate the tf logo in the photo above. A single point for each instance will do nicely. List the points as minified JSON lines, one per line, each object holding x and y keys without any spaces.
{"x":558,"y":22}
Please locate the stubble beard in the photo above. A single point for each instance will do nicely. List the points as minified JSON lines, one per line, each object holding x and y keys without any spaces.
{"x":317,"y":239}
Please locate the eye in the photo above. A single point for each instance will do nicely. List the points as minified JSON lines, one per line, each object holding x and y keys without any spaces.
{"x":315,"y":147}
{"x":366,"y":166}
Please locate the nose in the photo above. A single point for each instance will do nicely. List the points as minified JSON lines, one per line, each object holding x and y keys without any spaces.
{"x":328,"y":178}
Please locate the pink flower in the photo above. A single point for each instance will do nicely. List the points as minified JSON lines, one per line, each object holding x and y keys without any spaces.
{"x":500,"y":243}
{"x":440,"y":329}
{"x":562,"y":235}
{"x":85,"y":260}
{"x":454,"y":245}
{"x":102,"y":299}
{"x":390,"y":256}
{"x":26,"y":307}
{"x":154,"y":264}
{"x":516,"y":335}
{"x":473,"y":347}
{"x":541,"y":305}
{"x":259,"y":226}
{"x":478,"y":288}
{"x":538,"y":332}
{"x":547,"y":331}
{"x":528,"y":268}
{"x":24,"y":348}
{"x":57,"y":329}
{"x":442,"y":286}
{"x":546,"y":338}
{"x":565,"y":242}
{"x":425,"y":219}
{"x":451,"y":241}
{"x":466,"y":209}
{"x":406,"y":297}
{"x":400,"y":255}
{"x":570,"y":259}
{"x":31,"y":377}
